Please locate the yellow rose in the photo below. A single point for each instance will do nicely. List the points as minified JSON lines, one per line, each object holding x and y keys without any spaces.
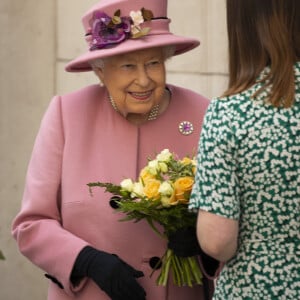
{"x":151,"y":188}
{"x":194,"y":169}
{"x":167,"y":201}
{"x":186,"y":161}
{"x":145,"y":175}
{"x":183,"y":187}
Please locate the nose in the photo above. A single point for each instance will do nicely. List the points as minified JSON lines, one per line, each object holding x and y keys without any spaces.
{"x":142,"y":77}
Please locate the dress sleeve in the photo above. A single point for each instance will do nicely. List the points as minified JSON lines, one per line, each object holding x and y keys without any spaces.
{"x":216,"y":187}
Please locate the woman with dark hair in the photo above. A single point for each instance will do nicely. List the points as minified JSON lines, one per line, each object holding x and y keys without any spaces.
{"x":248,"y":176}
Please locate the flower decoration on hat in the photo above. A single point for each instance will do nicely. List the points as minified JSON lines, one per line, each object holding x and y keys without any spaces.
{"x":107,"y":31}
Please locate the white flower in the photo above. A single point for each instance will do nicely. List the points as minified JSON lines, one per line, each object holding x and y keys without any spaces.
{"x":137,"y":17}
{"x":163,"y":167}
{"x":166,"y":188}
{"x":153,"y":166}
{"x":164,"y":155}
{"x":137,"y":190}
{"x":127,"y":185}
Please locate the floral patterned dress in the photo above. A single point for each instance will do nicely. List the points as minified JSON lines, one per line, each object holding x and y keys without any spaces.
{"x":249,"y":170}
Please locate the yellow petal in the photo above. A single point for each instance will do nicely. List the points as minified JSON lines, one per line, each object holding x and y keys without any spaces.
{"x":141,"y":33}
{"x":116,"y":20}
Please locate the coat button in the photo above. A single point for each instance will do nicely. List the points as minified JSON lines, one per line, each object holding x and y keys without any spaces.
{"x":113,"y":202}
{"x":155,"y":262}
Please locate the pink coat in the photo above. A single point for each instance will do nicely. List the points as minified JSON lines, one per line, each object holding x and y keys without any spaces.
{"x":81,"y":140}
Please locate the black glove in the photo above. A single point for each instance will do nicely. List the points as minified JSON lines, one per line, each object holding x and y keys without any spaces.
{"x":184,"y":242}
{"x":110,"y":273}
{"x":209,"y":264}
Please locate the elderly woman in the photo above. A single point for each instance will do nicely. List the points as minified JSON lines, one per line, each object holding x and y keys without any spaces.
{"x":105,"y":132}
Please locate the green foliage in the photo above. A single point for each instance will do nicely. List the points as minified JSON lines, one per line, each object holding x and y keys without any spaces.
{"x":171,"y":218}
{"x":109,"y":187}
{"x":176,"y":169}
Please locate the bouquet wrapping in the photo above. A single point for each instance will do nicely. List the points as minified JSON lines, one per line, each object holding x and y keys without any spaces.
{"x":160,"y":196}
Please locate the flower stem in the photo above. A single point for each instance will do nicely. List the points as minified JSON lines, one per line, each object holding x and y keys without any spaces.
{"x":195,"y":269}
{"x":163,"y":277}
{"x":176,"y":271}
{"x":185,"y":270}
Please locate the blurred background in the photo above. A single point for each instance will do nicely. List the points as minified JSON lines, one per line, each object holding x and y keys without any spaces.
{"x":37,"y":39}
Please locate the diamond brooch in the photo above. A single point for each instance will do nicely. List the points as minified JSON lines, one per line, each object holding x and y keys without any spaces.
{"x":186,"y":127}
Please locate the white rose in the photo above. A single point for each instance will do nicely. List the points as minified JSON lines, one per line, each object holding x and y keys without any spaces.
{"x":127,"y":185}
{"x":166,"y":188}
{"x":153,"y":167}
{"x":163,"y":167}
{"x":164,"y":155}
{"x":138,"y":189}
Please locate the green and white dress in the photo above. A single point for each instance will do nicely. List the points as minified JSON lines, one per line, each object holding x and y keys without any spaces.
{"x":249,"y":170}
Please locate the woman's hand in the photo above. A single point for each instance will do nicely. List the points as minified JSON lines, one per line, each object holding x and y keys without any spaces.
{"x":115,"y":277}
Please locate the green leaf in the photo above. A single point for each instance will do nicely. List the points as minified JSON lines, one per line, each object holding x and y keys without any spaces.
{"x":109,"y":187}
{"x":2,"y":256}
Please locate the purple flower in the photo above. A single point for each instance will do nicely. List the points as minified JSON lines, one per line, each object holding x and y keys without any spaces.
{"x":106,"y":31}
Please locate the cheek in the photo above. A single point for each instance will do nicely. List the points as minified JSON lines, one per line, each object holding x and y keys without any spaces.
{"x":159,"y":94}
{"x":160,"y":80}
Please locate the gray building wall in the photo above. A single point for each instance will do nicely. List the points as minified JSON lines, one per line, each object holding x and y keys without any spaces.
{"x":37,"y":39}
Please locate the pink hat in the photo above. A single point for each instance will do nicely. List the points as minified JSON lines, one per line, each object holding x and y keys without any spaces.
{"x":118,"y":26}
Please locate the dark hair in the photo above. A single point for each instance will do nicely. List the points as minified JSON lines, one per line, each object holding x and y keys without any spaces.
{"x":264,"y":33}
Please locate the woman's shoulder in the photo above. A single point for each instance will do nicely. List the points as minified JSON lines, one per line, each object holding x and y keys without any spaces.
{"x":87,"y":92}
{"x":240,"y":104}
{"x":87,"y":97}
{"x":232,"y":111}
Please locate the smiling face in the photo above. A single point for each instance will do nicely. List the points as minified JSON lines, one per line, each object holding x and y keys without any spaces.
{"x":136,"y":80}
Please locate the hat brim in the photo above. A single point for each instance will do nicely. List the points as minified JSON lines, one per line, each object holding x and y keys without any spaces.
{"x":182,"y":44}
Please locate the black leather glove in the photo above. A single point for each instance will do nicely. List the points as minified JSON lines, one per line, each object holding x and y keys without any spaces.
{"x":184,"y":242}
{"x":116,"y":278}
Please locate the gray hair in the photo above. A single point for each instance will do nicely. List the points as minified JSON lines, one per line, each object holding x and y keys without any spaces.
{"x":168,"y":52}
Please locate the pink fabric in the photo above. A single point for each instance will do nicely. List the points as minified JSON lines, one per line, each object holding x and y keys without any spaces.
{"x":158,"y":7}
{"x":158,"y":36}
{"x":81,"y":140}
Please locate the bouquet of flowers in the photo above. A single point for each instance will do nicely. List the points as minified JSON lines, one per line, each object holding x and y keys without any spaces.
{"x":161,"y":195}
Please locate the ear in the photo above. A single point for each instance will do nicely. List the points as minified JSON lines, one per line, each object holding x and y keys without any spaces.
{"x":100,"y":73}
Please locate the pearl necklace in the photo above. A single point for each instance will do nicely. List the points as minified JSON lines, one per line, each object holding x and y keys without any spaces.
{"x":152,"y":115}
